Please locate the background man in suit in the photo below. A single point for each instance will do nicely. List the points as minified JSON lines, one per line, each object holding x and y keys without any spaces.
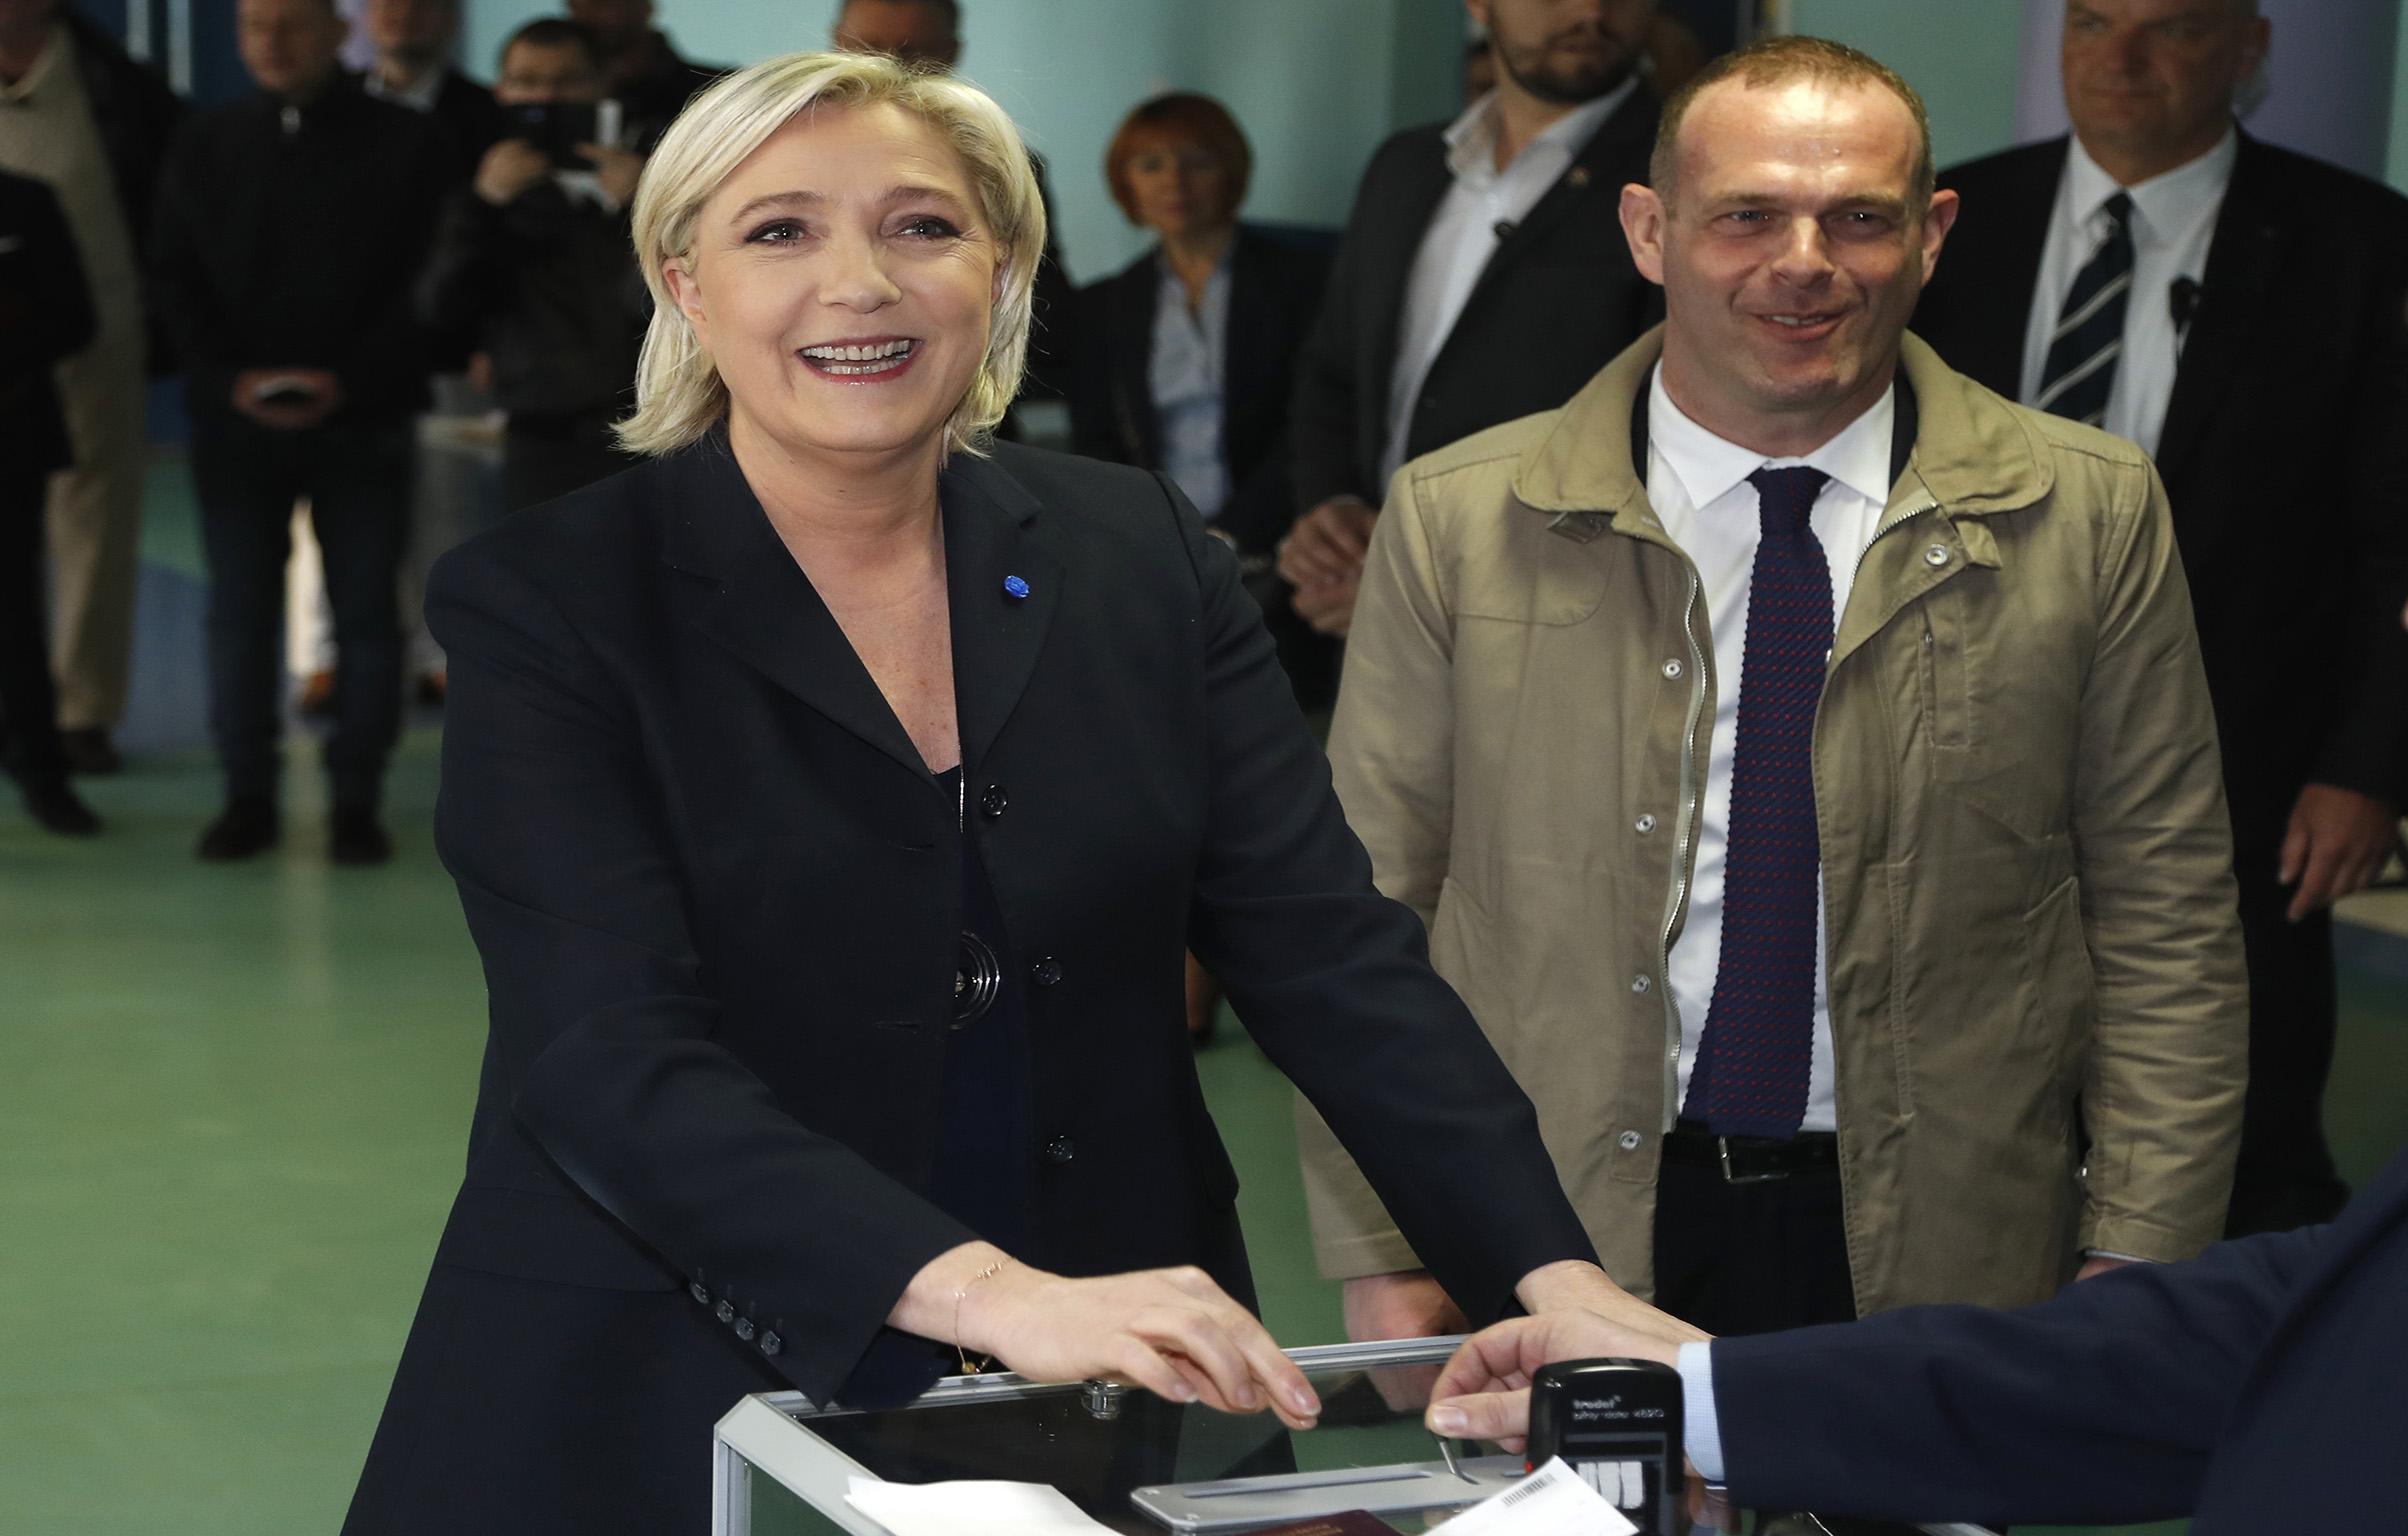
{"x":77,"y":113}
{"x":2241,"y":312}
{"x":1801,"y":758}
{"x":646,"y":74}
{"x":929,"y":32}
{"x":414,"y":69}
{"x":291,"y":226}
{"x":2253,"y":1387}
{"x":1481,"y":278}
{"x":45,"y":315}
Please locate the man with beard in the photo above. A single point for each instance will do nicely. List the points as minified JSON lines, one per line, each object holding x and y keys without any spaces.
{"x":1482,"y":276}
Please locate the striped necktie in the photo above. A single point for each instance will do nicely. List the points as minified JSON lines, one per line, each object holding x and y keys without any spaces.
{"x":2080,"y":371}
{"x":1758,"y":1045}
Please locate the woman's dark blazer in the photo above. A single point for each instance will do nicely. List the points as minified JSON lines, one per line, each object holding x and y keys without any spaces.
{"x":1274,"y":293}
{"x":717,"y":898}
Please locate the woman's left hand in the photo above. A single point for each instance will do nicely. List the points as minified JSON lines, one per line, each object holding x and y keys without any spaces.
{"x":1172,"y":1331}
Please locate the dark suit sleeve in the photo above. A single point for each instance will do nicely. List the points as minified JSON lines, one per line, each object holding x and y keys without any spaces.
{"x":2367,"y":748}
{"x":2099,"y":1405}
{"x":387,"y":356}
{"x":1094,"y":429}
{"x":602,"y":1018}
{"x":463,"y":271}
{"x":183,"y":286}
{"x":1334,"y":982}
{"x":1327,"y":401}
{"x":1262,"y":501}
{"x":56,"y":318}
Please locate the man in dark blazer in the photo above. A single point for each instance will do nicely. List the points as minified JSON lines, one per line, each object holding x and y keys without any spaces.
{"x":2262,"y":357}
{"x":45,"y":315}
{"x":414,"y":40}
{"x":1483,"y":276}
{"x":2256,"y":1387}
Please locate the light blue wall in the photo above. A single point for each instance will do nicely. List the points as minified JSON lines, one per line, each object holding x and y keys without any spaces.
{"x":1960,"y":55}
{"x":2399,"y":110}
{"x":1316,"y":83}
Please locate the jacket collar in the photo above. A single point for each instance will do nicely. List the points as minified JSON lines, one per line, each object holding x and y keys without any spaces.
{"x":751,"y":597}
{"x":1973,"y":454}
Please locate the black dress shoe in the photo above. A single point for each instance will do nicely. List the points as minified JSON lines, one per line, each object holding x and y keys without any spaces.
{"x":248,"y":825}
{"x":56,"y":807}
{"x":356,"y":837}
{"x":89,"y":750}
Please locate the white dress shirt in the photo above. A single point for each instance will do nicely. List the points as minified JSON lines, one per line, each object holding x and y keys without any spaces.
{"x":1463,"y":234}
{"x":418,"y":95}
{"x":2173,"y":221}
{"x":1698,"y":485}
{"x":1186,"y":376}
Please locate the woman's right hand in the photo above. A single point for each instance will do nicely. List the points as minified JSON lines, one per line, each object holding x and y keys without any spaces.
{"x":1172,"y":1331}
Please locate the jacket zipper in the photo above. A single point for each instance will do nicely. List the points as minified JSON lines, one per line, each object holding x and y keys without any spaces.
{"x":1684,"y":830}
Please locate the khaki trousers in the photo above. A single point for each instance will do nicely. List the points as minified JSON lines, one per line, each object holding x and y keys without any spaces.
{"x":94,"y":525}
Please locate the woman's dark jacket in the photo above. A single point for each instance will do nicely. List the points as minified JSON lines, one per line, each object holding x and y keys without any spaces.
{"x":1274,"y":292}
{"x":718,"y":895}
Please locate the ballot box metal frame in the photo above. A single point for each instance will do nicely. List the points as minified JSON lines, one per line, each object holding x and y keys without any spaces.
{"x":770,"y":1434}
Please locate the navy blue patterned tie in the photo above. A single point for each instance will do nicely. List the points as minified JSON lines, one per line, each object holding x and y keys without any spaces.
{"x":1758,"y":1046}
{"x":2078,"y":374}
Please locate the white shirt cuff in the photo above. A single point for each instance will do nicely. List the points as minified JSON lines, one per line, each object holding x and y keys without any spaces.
{"x":1701,"y":1431}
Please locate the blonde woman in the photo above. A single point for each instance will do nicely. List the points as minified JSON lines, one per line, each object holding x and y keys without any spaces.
{"x":831,"y":798}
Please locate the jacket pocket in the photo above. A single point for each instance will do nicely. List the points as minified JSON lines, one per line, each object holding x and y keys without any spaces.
{"x":2062,"y":987}
{"x":2001,"y":744}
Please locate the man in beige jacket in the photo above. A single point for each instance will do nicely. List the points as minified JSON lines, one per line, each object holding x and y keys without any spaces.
{"x":1918,"y":981}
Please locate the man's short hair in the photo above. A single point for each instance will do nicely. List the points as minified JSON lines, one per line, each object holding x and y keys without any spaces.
{"x":555,"y":32}
{"x":1179,"y":115}
{"x":951,"y":8}
{"x":1783,"y":61}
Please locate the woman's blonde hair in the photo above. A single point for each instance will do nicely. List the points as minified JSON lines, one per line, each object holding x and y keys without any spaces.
{"x":678,"y":392}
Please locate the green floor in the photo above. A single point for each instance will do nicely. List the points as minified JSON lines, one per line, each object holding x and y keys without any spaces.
{"x":232,"y":1110}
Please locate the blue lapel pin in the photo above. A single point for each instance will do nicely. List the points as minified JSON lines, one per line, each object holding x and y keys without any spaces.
{"x":1014,"y":588}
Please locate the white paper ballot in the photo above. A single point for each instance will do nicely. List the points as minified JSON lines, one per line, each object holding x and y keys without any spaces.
{"x":1553,"y":1501}
{"x":973,"y":1509}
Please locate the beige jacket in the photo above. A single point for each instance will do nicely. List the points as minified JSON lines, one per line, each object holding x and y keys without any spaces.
{"x":2027,"y":867}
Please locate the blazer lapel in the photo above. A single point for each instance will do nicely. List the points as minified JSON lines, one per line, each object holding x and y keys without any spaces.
{"x":2242,"y":258}
{"x":1993,"y":271}
{"x":752,"y":598}
{"x":1589,"y":188}
{"x":1132,"y":343}
{"x":1380,"y":297}
{"x":998,"y":630}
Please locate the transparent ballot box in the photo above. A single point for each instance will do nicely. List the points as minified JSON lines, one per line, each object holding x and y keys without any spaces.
{"x":1138,"y":1463}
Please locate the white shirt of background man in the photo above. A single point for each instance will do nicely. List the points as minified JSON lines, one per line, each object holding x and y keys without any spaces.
{"x":1463,"y":235}
{"x":1697,"y":483}
{"x":2173,"y":221}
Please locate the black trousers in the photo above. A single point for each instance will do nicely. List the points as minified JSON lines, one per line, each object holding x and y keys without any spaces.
{"x":357,"y":478}
{"x":29,"y":733}
{"x":2285,"y":1177}
{"x":1751,"y":1258}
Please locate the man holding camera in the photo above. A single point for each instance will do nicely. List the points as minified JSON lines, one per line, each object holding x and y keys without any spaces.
{"x":532,"y":266}
{"x":290,"y":225}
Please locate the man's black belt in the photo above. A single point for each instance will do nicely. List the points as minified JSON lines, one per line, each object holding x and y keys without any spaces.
{"x":1751,"y":1159}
